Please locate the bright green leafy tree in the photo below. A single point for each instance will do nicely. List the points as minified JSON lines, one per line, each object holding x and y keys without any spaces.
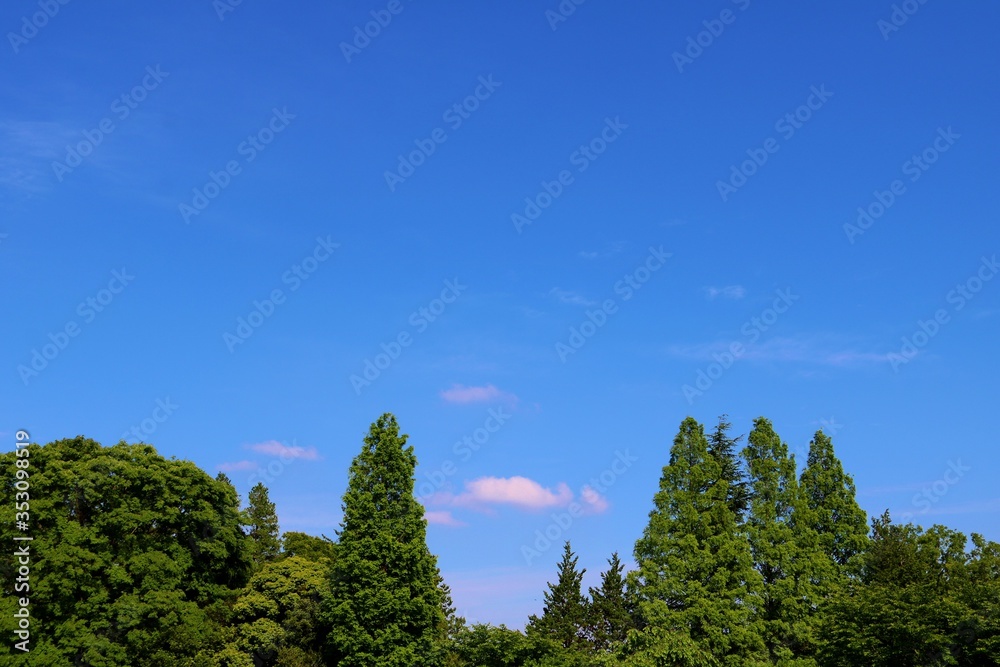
{"x":133,"y":559}
{"x":308,"y":547}
{"x":275,"y":619}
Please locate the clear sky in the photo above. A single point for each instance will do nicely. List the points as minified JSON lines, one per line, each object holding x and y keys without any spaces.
{"x":214,"y":218}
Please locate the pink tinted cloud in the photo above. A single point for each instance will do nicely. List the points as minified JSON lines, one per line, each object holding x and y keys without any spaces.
{"x":518,"y":491}
{"x":275,"y":448}
{"x":443,"y":518}
{"x":593,"y":501}
{"x":463,"y":395}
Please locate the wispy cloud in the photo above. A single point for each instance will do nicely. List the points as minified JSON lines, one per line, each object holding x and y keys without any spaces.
{"x":443,"y":518}
{"x":237,"y":466}
{"x":464,"y":395}
{"x":782,"y":349}
{"x":275,"y":448}
{"x":27,"y":150}
{"x":570,"y":297}
{"x":613,"y":249}
{"x":727,"y":292}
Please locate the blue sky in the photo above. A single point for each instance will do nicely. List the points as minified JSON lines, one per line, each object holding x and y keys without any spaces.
{"x":615,"y":228}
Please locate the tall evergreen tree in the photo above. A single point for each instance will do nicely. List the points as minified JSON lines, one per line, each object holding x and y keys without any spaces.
{"x":612,"y":612}
{"x":564,"y":615}
{"x":834,"y":512}
{"x":385,"y":607}
{"x":695,"y":573}
{"x":262,"y":519}
{"x":723,"y":447}
{"x":785,"y":550}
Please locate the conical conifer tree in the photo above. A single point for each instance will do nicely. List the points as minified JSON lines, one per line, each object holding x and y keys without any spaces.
{"x":612,"y":612}
{"x":723,"y":447}
{"x":564,"y":615}
{"x":262,"y":519}
{"x":829,"y":492}
{"x":695,"y":574}
{"x":385,"y":607}
{"x":785,"y":550}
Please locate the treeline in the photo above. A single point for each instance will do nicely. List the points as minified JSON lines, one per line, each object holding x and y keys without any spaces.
{"x":137,"y":560}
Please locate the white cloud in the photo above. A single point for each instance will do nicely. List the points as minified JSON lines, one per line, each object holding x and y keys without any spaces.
{"x":727,"y":292}
{"x":275,"y":448}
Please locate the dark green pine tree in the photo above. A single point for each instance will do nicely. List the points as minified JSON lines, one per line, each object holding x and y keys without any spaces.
{"x":385,"y":607}
{"x":695,"y":575}
{"x":834,"y":512}
{"x":723,"y":448}
{"x":564,"y":615}
{"x":785,"y":550}
{"x":612,"y":611}
{"x":262,"y":519}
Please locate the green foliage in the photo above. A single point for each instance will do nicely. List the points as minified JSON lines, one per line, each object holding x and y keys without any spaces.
{"x":834,"y":513}
{"x":785,"y":550}
{"x":133,"y":559}
{"x":922,"y":601}
{"x":612,"y":611}
{"x":309,"y":547}
{"x":262,"y":519}
{"x":275,"y":619}
{"x":723,"y":447}
{"x":385,"y":607}
{"x":695,"y":574}
{"x":564,"y":615}
{"x":139,"y":560}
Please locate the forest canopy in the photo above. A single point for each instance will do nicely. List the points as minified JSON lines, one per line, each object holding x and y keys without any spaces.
{"x":747,"y":559}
